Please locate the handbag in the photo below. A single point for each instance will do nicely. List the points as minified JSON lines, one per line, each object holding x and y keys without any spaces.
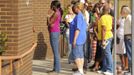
{"x":117,"y":40}
{"x":63,"y":27}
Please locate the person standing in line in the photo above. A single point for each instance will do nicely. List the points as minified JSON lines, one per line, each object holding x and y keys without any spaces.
{"x":121,"y":49}
{"x":54,"y":30}
{"x":91,"y":19}
{"x":78,"y":37}
{"x":68,"y":19}
{"x":98,"y":54}
{"x":105,"y":36}
{"x":128,"y":34}
{"x":86,"y":45}
{"x":102,"y":3}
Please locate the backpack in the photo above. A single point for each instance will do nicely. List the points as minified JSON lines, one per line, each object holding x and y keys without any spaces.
{"x":63,"y":27}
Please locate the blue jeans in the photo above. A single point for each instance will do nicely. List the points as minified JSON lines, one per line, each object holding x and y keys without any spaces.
{"x":87,"y":51}
{"x":77,"y":52}
{"x":107,"y":62}
{"x":128,"y":44}
{"x":69,"y":47}
{"x":54,"y":40}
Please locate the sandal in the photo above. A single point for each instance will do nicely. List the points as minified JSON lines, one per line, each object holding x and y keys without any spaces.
{"x":94,"y":69}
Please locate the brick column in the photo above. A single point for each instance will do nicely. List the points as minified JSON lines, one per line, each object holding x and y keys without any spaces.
{"x":25,"y":34}
{"x":16,"y":21}
{"x":40,"y":8}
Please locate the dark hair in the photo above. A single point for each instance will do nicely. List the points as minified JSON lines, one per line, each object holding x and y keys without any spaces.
{"x":106,"y":9}
{"x":56,"y":5}
{"x":74,"y":2}
{"x":95,"y":6}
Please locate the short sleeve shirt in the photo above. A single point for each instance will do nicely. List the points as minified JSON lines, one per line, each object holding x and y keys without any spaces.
{"x":80,"y":24}
{"x":106,"y":21}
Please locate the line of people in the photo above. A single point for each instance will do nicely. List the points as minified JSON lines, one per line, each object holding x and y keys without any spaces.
{"x":87,"y":22}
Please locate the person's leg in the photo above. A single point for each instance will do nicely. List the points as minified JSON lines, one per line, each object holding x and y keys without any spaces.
{"x":82,"y":64}
{"x":55,"y":47}
{"x":68,"y":45}
{"x":98,"y":58}
{"x":69,"y":49}
{"x":78,"y":55}
{"x":128,"y":44}
{"x":108,"y":60}
{"x":52,"y":46}
{"x":94,"y":48}
{"x":86,"y":54}
{"x":79,"y":62}
{"x":126,"y":62}
{"x":96,"y":66}
{"x":122,"y":58}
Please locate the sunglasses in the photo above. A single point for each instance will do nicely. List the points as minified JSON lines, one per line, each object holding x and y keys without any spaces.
{"x":102,"y":3}
{"x":90,"y":6}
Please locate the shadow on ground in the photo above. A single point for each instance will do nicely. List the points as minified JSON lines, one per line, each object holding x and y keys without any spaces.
{"x":41,"y":49}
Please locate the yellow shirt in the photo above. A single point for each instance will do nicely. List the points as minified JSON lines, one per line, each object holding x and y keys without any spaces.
{"x":105,"y":20}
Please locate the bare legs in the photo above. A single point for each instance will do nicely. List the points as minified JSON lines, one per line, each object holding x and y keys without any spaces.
{"x":124,"y":61}
{"x":79,"y":63}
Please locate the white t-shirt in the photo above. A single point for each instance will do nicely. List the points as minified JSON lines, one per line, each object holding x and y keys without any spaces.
{"x":120,"y":30}
{"x":121,"y":49}
{"x":87,"y":17}
{"x":69,"y":19}
{"x":127,"y":25}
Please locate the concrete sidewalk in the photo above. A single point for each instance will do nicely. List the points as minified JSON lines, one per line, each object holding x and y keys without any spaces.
{"x":40,"y":67}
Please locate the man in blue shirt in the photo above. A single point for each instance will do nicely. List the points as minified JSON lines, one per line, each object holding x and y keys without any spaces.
{"x":78,"y":36}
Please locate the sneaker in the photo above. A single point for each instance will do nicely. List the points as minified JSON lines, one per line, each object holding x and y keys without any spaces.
{"x":77,"y":73}
{"x":94,"y":69}
{"x":100,"y":72}
{"x":85,"y":71}
{"x":108,"y":73}
{"x":127,"y":73}
{"x":50,"y":71}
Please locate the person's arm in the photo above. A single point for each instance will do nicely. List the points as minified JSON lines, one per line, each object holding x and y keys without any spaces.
{"x":87,"y":17}
{"x":52,"y":19}
{"x":75,"y":37}
{"x":78,"y":28}
{"x":103,"y":29}
{"x":103,"y":32}
{"x":96,"y":19}
{"x":95,"y":32}
{"x":118,"y":23}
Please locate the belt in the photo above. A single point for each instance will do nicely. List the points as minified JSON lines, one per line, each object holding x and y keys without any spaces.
{"x":128,"y":36}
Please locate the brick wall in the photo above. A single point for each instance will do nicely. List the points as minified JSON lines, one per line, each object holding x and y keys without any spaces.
{"x":9,"y":24}
{"x":16,"y":21}
{"x":25,"y":34}
{"x":40,"y":8}
{"x":43,"y":49}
